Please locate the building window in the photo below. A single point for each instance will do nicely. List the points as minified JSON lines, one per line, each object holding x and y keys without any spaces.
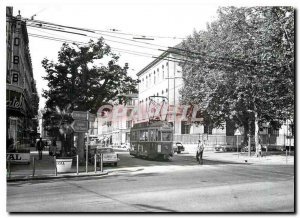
{"x":128,"y":113}
{"x":167,"y":64}
{"x":185,"y":128}
{"x":162,"y":92}
{"x":128,"y":124}
{"x":166,"y":90}
{"x":162,"y":66}
{"x":208,"y":129}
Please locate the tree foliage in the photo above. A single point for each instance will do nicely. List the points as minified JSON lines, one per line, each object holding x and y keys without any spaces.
{"x":85,"y":78}
{"x":243,"y":66}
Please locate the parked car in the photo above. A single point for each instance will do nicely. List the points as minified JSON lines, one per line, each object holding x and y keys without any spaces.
{"x":220,"y":148}
{"x":225,"y":148}
{"x":109,"y":155}
{"x":178,"y":147}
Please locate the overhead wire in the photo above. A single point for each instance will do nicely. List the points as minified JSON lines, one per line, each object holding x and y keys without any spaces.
{"x":95,"y":32}
{"x":114,"y":48}
{"x":112,"y":32}
{"x":109,"y":40}
{"x":169,"y":49}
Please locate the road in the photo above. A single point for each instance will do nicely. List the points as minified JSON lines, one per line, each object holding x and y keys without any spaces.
{"x":179,"y":185}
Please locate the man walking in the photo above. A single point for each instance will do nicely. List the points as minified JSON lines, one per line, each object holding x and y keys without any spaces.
{"x":40,"y":147}
{"x":200,"y":150}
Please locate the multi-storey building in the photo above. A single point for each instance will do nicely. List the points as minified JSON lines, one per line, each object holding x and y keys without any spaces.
{"x":163,"y":77}
{"x":21,"y":93}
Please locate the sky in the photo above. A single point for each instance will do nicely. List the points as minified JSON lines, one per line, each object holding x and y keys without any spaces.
{"x":169,"y":21}
{"x":176,"y":20}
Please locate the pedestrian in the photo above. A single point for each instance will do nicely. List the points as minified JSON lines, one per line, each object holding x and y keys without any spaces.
{"x":200,"y":150}
{"x":40,"y":147}
{"x":259,"y":151}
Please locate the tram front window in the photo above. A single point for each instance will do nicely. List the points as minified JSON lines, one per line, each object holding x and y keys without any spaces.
{"x":166,"y":136}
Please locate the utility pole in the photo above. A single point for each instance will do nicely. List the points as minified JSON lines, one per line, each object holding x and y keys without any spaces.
{"x":174,"y":109}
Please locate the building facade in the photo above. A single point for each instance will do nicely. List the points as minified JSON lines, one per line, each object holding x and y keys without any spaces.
{"x":21,"y":93}
{"x":163,"y":77}
{"x":115,"y":130}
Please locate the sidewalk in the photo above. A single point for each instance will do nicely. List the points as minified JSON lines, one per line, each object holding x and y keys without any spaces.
{"x":272,"y":159}
{"x":275,"y":158}
{"x":45,"y":169}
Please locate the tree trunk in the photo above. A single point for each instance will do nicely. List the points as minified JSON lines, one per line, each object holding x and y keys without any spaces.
{"x":246,"y":132}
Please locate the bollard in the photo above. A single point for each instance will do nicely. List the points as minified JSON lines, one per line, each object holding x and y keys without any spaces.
{"x":101,"y":162}
{"x":77,"y":164}
{"x":33,"y":166}
{"x":55,"y":166}
{"x":95,"y":160}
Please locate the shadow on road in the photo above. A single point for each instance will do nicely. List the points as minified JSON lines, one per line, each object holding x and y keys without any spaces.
{"x":177,"y":160}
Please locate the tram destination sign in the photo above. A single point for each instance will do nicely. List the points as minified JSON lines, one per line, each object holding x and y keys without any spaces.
{"x":80,"y":125}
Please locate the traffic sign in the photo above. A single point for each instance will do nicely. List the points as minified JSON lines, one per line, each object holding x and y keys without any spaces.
{"x":79,"y":115}
{"x":80,"y":125}
{"x":237,"y":132}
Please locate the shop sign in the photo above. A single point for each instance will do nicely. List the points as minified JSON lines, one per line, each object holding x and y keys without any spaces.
{"x":14,"y":100}
{"x":18,"y":157}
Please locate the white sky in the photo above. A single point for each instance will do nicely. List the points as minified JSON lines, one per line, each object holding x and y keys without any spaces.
{"x":145,"y":17}
{"x":176,"y":18}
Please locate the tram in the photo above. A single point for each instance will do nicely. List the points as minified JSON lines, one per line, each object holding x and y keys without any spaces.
{"x":152,"y":140}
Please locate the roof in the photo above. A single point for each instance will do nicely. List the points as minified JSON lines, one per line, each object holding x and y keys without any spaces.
{"x":171,"y":50}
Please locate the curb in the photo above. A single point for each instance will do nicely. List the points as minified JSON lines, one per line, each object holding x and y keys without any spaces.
{"x":59,"y":176}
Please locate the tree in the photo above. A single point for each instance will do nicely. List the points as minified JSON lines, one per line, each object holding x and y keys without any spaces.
{"x":243,"y":67}
{"x":84,"y":78}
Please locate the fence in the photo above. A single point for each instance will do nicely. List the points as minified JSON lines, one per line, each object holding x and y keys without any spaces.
{"x":213,"y":140}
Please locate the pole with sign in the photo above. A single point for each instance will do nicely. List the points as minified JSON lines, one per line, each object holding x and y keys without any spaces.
{"x":87,"y":145}
{"x":237,"y":133}
{"x":81,"y":124}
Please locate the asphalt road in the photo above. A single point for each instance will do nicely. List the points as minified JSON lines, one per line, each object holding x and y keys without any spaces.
{"x":179,"y":185}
